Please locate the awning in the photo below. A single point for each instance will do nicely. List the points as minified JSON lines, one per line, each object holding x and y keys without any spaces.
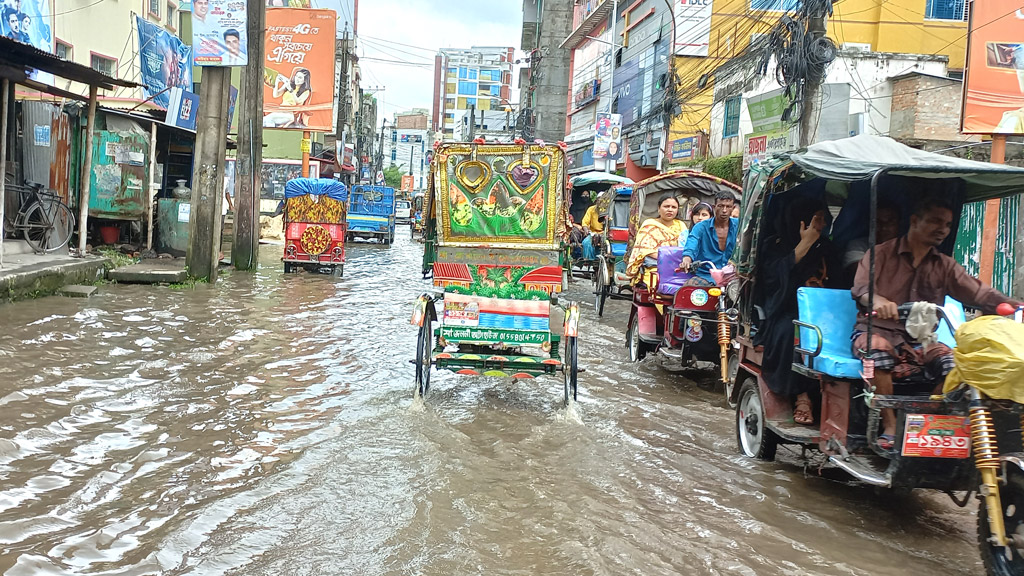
{"x":861,"y":157}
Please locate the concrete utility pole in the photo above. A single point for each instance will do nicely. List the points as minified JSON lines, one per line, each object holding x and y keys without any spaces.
{"x":472,"y":122}
{"x":249,"y":160}
{"x":208,"y":174}
{"x":812,"y":87}
{"x":83,"y":213}
{"x":343,"y":90}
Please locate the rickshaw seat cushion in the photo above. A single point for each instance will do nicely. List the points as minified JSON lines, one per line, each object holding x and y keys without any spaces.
{"x":618,"y":248}
{"x":834,"y":312}
{"x":670,"y":281}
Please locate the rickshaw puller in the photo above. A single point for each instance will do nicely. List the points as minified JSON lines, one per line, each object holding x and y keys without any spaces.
{"x":911,"y":269}
{"x":712,"y":240}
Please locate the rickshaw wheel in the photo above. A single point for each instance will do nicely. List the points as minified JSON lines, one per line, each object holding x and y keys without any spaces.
{"x":634,"y":346}
{"x":994,"y":557}
{"x":600,"y":289}
{"x":570,"y":369}
{"x":753,"y":436}
{"x":424,"y":346}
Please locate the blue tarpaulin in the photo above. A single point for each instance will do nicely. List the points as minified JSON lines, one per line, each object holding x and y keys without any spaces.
{"x":319,"y":186}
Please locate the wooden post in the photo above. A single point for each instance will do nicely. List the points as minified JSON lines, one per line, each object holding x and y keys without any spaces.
{"x":990,"y":227}
{"x":249,"y":156}
{"x":86,"y":175}
{"x":207,"y":179}
{"x":306,"y":145}
{"x":152,"y":186}
{"x":5,"y":87}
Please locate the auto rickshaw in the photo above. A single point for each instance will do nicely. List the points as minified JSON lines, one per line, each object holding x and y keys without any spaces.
{"x":672,"y":314}
{"x":937,"y":435}
{"x":585,"y":188}
{"x":610,"y":280}
{"x":496,"y":219}
{"x":314,"y":225}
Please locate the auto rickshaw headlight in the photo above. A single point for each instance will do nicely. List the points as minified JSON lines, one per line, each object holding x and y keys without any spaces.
{"x":732,"y":290}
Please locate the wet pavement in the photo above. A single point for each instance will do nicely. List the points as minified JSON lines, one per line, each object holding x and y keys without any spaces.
{"x":266,"y":426}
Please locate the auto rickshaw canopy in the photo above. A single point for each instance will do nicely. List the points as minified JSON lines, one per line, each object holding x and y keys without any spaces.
{"x":861,"y":157}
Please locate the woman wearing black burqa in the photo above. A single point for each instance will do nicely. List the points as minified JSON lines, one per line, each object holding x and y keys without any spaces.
{"x":796,"y":255}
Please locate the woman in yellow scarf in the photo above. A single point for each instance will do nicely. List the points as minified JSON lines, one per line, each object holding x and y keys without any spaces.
{"x":655,"y":233}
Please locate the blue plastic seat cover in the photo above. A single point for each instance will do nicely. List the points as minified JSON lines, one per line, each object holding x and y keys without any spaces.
{"x":834,"y":313}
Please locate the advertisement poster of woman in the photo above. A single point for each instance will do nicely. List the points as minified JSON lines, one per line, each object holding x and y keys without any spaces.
{"x":29,"y":22}
{"x":298,"y":69}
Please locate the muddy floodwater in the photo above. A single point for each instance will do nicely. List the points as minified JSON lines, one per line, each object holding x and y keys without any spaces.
{"x":266,"y":426}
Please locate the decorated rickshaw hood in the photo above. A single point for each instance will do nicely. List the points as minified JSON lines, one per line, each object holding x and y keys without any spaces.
{"x":317,"y":186}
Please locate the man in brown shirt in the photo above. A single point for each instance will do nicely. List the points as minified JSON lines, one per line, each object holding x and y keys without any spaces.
{"x":911,"y":269}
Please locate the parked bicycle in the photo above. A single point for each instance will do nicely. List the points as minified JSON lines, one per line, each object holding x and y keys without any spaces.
{"x":44,"y":219}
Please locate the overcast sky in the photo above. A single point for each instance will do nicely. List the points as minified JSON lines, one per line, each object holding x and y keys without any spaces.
{"x":429,"y":25}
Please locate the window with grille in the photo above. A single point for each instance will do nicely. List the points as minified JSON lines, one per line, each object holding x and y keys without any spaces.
{"x":732,"y":117}
{"x":172,"y":16}
{"x":946,"y":10}
{"x":103,"y":64}
{"x":154,"y":7}
{"x":63,"y":51}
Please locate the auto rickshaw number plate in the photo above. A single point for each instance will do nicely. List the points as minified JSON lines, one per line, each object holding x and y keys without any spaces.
{"x":937,"y":436}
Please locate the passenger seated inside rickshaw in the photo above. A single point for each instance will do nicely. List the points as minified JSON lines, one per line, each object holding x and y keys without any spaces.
{"x":654,"y":233}
{"x":795,"y":254}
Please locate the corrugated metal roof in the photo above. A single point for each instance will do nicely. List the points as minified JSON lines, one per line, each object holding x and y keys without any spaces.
{"x":25,"y":56}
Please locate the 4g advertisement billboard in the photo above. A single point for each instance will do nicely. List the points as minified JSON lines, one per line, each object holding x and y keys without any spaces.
{"x":298,"y":69}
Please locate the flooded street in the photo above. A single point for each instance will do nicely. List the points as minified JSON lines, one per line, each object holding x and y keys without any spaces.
{"x":266,"y":426}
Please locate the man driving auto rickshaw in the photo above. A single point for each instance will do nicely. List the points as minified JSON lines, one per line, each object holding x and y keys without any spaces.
{"x":911,"y":269}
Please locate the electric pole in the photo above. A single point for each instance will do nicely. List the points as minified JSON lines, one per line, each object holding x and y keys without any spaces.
{"x":249,"y":159}
{"x":812,"y":84}
{"x":343,"y":103}
{"x":208,"y":174}
{"x":472,"y":122}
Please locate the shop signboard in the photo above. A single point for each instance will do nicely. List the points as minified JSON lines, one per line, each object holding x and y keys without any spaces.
{"x":762,"y":145}
{"x":684,"y":149}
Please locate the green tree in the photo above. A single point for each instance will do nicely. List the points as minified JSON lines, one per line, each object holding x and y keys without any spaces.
{"x":393,"y":176}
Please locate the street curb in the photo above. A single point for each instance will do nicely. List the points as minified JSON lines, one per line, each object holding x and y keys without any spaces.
{"x":47,"y":279}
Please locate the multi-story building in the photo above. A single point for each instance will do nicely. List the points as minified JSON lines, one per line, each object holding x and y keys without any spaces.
{"x":102,"y":35}
{"x":366,"y":136}
{"x":479,"y":77}
{"x":491,"y":125}
{"x":407,"y":144}
{"x":707,"y":40}
{"x":544,"y":82}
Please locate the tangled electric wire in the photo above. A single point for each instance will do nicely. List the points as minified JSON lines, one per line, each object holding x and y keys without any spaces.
{"x":801,"y":57}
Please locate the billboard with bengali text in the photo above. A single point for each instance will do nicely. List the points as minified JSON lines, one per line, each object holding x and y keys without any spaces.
{"x":218,"y":33}
{"x":164,"y":62}
{"x":994,"y":79}
{"x":298,"y":70}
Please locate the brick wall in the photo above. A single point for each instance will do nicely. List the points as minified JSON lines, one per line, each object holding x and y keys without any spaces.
{"x":411,"y":121}
{"x":926,"y":108}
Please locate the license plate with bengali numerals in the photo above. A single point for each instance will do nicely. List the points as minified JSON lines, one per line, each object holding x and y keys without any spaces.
{"x":937,"y":436}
